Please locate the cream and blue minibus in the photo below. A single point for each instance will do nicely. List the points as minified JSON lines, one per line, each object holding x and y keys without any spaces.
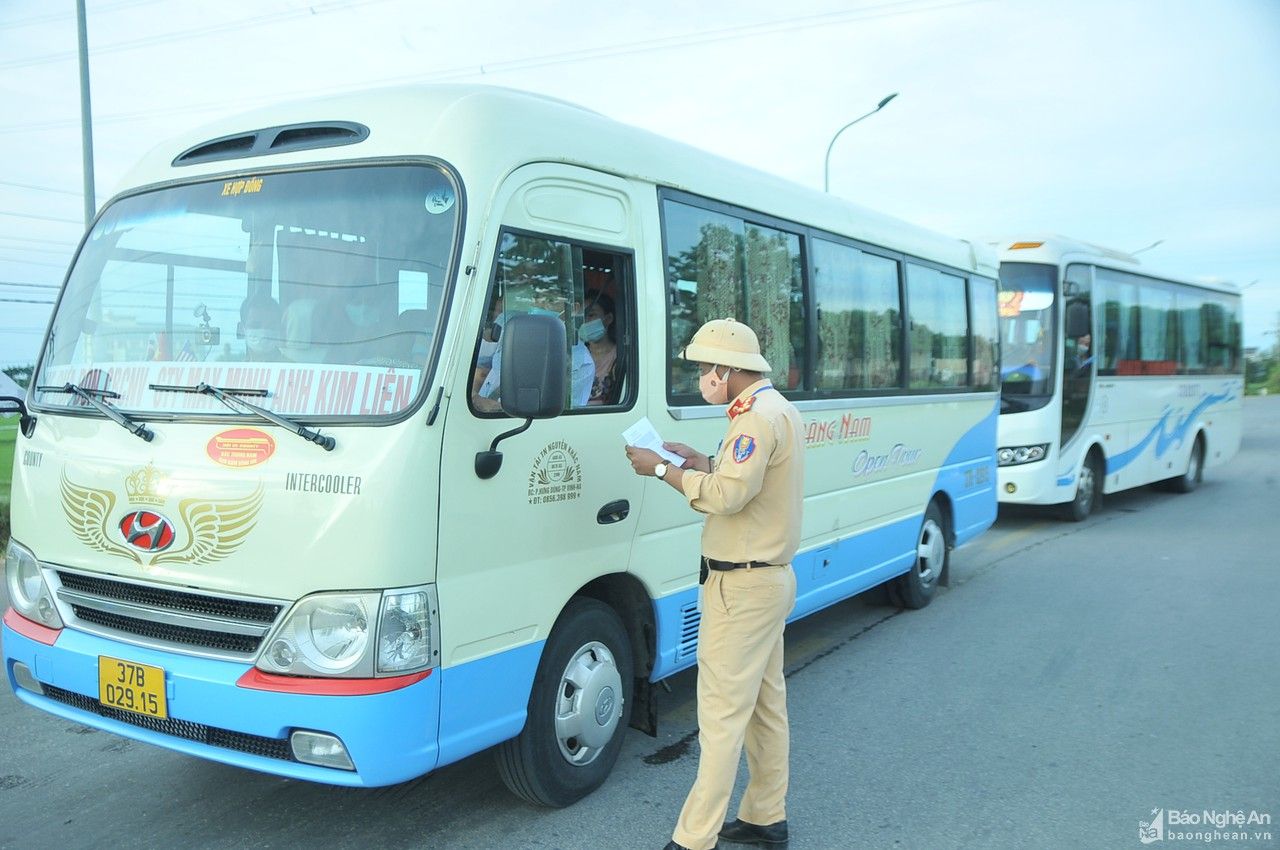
{"x":321,"y":471}
{"x":1112,"y":376}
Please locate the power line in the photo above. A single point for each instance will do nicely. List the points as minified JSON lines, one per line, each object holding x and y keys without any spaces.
{"x":882,"y":10}
{"x":183,"y":35}
{"x":39,"y":188}
{"x":32,"y":285}
{"x":23,"y":301}
{"x":42,"y":217}
{"x":30,"y":263}
{"x":41,"y":241}
{"x":59,"y":16}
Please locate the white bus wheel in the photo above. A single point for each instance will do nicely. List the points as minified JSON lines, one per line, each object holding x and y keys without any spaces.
{"x":1088,"y":491}
{"x":1191,"y":479}
{"x":915,"y":589}
{"x":578,"y":709}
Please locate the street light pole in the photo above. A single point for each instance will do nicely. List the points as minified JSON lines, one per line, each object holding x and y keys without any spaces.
{"x":826,"y":164}
{"x":86,"y":115}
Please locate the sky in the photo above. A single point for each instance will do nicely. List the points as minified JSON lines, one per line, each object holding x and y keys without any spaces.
{"x":1118,"y":122}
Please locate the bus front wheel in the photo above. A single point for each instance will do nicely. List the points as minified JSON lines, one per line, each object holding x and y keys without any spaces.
{"x":578,"y":709}
{"x":1088,"y":491}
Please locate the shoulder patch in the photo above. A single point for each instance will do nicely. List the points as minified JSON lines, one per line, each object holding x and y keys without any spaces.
{"x":743,"y":447}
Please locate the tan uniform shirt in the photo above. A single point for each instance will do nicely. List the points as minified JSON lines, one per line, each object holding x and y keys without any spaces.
{"x":754,"y":495}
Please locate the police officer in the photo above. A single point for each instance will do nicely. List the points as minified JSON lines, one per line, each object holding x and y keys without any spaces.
{"x":752,"y":495}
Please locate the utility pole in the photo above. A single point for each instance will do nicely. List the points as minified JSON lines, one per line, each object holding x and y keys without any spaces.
{"x":86,"y":116}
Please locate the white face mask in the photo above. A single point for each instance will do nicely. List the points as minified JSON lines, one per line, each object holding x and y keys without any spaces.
{"x":591,"y":331}
{"x":255,"y":338}
{"x":485,"y":357}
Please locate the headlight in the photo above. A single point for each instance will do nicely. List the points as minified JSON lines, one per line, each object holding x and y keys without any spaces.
{"x":334,"y":634}
{"x":27,"y":589}
{"x":1014,"y":455}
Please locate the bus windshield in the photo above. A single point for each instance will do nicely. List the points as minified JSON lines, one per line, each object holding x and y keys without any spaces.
{"x":321,"y":287}
{"x":1027,"y":328}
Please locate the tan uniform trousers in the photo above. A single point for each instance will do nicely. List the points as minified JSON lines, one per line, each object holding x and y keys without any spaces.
{"x":741,"y":696}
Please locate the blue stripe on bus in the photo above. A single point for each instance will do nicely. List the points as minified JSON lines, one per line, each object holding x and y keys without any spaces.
{"x":1163,"y":440}
{"x":844,"y":568}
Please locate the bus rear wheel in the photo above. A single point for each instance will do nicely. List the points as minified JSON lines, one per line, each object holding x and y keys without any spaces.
{"x":1088,"y":491}
{"x":578,"y":709}
{"x":1195,"y":470}
{"x":915,"y":589}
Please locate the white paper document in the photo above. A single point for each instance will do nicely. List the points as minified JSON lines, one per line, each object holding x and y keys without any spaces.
{"x":643,"y":435}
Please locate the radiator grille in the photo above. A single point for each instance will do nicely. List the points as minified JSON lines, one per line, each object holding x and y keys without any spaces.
{"x":273,"y":748}
{"x":169,"y":633}
{"x":171,"y":600}
{"x":178,"y":620}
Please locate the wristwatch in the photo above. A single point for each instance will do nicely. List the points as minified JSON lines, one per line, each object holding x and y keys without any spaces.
{"x":660,"y":470}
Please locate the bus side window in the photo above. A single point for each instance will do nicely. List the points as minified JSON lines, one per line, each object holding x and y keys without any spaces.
{"x":588,"y":290}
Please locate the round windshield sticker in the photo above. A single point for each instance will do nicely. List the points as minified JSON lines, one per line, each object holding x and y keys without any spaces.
{"x":241,"y":447}
{"x":439,"y":200}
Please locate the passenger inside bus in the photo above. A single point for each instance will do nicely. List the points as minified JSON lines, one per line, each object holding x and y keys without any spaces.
{"x":547,"y":299}
{"x":260,"y":322}
{"x":599,"y":331}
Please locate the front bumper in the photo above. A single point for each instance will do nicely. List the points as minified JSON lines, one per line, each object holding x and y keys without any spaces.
{"x":391,"y":737}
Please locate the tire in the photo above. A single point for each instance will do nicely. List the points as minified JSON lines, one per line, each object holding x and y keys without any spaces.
{"x":1191,"y":479}
{"x":1088,"y":496}
{"x":578,"y":709}
{"x":915,"y":589}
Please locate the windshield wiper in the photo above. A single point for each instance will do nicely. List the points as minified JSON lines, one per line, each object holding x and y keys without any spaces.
{"x":105,"y":409}
{"x":229,"y":395}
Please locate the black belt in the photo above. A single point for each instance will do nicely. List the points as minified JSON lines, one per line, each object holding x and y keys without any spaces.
{"x":725,"y":566}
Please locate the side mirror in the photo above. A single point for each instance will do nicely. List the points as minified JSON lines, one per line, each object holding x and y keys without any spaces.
{"x":1077,"y":319}
{"x":26,"y":419}
{"x":531,"y":385}
{"x":533,"y":367}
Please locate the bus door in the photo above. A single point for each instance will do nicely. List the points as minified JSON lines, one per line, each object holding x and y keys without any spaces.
{"x":1078,"y":366}
{"x":562,"y":508}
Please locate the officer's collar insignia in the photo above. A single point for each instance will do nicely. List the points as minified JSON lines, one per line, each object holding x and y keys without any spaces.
{"x":740,"y":406}
{"x":743,"y":447}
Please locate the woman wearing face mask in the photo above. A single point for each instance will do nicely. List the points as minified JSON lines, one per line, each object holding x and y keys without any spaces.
{"x":600,"y":334}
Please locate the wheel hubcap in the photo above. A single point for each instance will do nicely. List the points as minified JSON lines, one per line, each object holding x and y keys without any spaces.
{"x":1084,"y":492}
{"x":930,"y":552}
{"x":589,"y":703}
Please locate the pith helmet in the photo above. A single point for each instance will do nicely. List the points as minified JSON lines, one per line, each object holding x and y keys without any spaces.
{"x":725,"y":342}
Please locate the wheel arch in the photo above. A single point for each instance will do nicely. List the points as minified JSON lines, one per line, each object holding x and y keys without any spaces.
{"x":626,"y":595}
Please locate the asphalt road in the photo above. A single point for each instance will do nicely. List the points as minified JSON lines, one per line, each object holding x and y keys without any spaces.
{"x":1073,"y":679}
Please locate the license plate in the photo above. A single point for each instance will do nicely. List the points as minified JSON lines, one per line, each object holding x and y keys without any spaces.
{"x":132,"y":687}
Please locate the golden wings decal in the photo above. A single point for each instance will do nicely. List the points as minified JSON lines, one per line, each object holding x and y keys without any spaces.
{"x":214,"y":529}
{"x":88,"y":510}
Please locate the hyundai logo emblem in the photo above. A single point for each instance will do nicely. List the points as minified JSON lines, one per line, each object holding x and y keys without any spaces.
{"x":147,"y":530}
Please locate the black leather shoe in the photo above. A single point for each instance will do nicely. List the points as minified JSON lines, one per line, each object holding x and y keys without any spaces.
{"x":671,"y":845}
{"x":741,"y":832}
